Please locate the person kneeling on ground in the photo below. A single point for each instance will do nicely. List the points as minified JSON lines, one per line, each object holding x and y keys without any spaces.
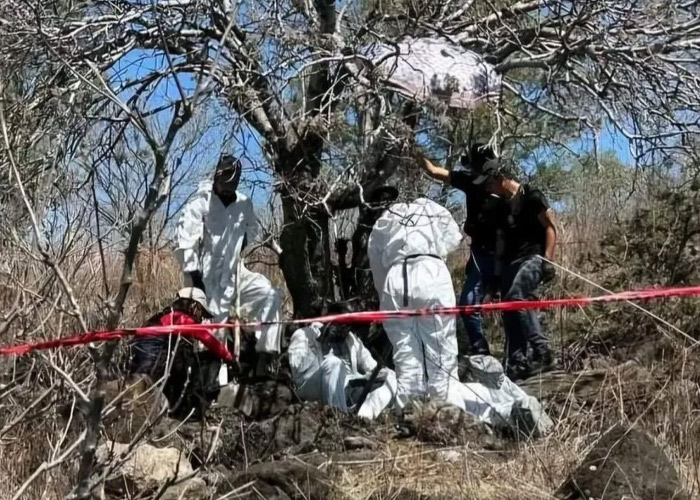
{"x":189,"y":378}
{"x":330,"y":364}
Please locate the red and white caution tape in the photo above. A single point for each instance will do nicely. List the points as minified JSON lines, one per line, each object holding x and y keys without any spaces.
{"x":203,"y":334}
{"x":192,"y":331}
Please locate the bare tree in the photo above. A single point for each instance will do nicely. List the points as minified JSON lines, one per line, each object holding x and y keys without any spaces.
{"x":134,"y":74}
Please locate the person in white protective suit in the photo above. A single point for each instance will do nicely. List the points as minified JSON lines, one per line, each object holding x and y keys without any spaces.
{"x":213,"y":229}
{"x":332,"y":365}
{"x":406,"y":249}
{"x":496,"y":400}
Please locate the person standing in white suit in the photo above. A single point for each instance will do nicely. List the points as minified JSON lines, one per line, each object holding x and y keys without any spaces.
{"x":407,"y":250}
{"x":213,"y":229}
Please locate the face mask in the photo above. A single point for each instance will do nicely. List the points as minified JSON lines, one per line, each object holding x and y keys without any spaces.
{"x":336,"y":333}
{"x":226,"y":182}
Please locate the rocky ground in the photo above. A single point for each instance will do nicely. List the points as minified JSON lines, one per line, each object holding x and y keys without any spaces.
{"x":293,"y":451}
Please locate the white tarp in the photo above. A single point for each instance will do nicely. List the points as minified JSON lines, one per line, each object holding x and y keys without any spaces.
{"x":425,"y":68}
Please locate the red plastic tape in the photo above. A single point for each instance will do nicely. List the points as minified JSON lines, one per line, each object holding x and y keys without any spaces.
{"x":203,"y":334}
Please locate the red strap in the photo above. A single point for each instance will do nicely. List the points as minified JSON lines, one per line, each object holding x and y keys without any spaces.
{"x":202,"y":332}
{"x":202,"y":335}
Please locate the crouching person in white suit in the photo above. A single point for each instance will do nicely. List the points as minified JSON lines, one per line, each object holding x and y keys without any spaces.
{"x":407,"y":250}
{"x":330,"y":364}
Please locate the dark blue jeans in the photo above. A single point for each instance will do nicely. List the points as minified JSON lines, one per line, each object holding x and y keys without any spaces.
{"x":478,"y":275}
{"x":521,"y":278}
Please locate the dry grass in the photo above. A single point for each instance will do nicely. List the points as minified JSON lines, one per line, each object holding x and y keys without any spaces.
{"x":533,"y":470}
{"x":666,"y":404}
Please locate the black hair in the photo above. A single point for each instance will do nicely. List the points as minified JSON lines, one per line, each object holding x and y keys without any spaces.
{"x":228,"y":163}
{"x":339,"y":308}
{"x":180,"y":304}
{"x":383,"y":194}
{"x":381,"y":198}
{"x":479,"y":153}
{"x":322,"y":307}
{"x":504,"y":170}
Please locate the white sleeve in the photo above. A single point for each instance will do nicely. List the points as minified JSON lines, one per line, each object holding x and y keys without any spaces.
{"x":365,"y":362}
{"x":447,"y":230}
{"x":250,"y":221}
{"x":190,"y":232}
{"x":301,"y":356}
{"x":450,"y":232}
{"x":375,"y":249}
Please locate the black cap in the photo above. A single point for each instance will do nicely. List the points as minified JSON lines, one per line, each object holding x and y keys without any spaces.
{"x":383,"y":194}
{"x":488,"y":169}
{"x":228,"y":163}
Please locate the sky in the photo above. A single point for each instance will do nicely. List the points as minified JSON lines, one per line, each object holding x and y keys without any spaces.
{"x":245,"y":143}
{"x":220,"y":136}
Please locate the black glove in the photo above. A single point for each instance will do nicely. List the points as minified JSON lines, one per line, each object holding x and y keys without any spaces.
{"x":548,"y":271}
{"x":197,"y":280}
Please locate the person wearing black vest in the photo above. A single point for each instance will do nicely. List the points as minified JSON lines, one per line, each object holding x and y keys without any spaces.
{"x":480,"y":226}
{"x":527,"y":239}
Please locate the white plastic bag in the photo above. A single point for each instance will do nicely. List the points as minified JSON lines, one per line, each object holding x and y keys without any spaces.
{"x":425,"y":68}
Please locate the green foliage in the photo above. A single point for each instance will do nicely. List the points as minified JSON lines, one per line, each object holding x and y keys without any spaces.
{"x":659,"y":245}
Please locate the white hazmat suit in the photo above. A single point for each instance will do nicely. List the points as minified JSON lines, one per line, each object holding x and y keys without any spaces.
{"x":321,"y":372}
{"x":406,"y":250}
{"x":496,"y":400}
{"x":210,"y":239}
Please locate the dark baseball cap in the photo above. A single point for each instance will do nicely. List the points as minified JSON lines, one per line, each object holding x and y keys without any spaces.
{"x":488,"y":169}
{"x":228,"y":163}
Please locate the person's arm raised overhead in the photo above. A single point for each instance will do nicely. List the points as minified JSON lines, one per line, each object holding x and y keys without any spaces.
{"x":438,"y":173}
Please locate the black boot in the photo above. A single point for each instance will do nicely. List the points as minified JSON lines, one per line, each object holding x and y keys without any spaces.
{"x":480,"y":351}
{"x":517,"y":371}
{"x":542,"y":361}
{"x":517,"y":366}
{"x":266,"y":366}
{"x":404,"y":426}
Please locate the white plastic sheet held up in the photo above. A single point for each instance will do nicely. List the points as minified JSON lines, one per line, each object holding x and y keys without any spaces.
{"x":425,"y":68}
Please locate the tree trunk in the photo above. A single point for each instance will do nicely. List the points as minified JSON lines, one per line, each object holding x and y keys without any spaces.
{"x":305,"y":259}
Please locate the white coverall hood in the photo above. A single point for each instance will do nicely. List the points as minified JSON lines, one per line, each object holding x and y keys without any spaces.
{"x":210,"y":238}
{"x":420,"y":227}
{"x":406,"y":250}
{"x":320,"y":377}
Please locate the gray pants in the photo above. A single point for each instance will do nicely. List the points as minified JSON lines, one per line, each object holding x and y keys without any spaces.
{"x":521,"y":278}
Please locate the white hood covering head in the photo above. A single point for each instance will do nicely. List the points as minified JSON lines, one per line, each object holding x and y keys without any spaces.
{"x":419,"y":227}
